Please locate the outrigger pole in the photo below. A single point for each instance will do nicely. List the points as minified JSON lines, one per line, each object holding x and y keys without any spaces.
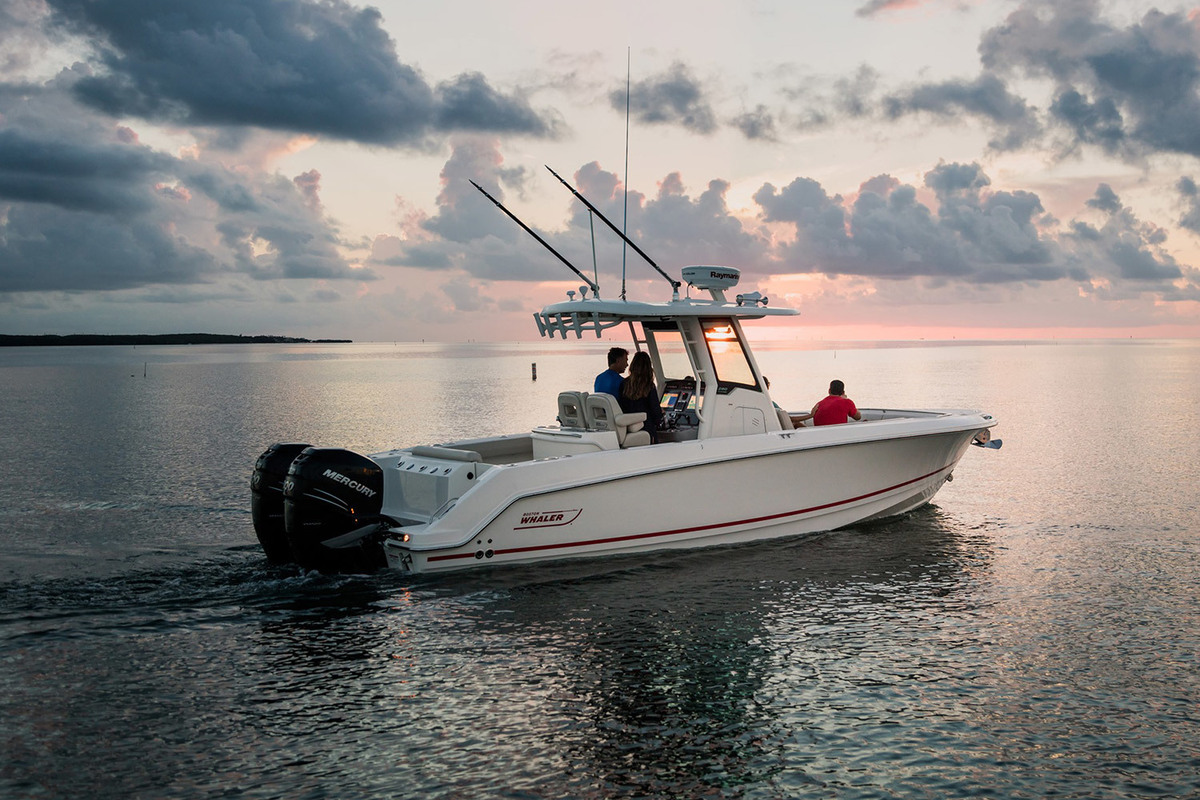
{"x":595,"y":287}
{"x":674,"y":283}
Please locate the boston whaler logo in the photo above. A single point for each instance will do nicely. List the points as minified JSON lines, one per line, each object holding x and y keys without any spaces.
{"x":353,"y":484}
{"x":547,"y":519}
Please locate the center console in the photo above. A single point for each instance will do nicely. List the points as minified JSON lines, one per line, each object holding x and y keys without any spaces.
{"x":679,"y":406}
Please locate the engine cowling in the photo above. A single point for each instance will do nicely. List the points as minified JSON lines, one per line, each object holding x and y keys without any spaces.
{"x":266,"y":499}
{"x":330,"y":492}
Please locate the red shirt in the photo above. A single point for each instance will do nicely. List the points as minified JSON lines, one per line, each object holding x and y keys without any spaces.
{"x":834,"y":410}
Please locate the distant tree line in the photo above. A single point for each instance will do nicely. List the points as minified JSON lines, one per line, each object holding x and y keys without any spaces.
{"x":49,"y":340}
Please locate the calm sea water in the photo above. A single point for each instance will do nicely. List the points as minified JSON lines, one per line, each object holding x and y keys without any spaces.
{"x":1032,"y":634}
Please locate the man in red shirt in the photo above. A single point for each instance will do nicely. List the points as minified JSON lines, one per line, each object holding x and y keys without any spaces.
{"x":835,"y":409}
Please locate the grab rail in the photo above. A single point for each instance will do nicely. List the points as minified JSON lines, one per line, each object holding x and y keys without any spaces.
{"x":447,"y":453}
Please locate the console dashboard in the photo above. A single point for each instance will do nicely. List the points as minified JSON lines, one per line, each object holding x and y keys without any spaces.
{"x":679,"y":406}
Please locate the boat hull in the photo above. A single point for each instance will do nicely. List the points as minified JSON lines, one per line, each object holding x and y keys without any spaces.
{"x":686,"y":495}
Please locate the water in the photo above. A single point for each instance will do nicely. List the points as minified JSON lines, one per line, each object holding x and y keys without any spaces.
{"x":1032,"y":634}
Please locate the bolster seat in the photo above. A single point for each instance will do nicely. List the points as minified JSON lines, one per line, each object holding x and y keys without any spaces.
{"x":604,"y":414}
{"x":572,"y":410}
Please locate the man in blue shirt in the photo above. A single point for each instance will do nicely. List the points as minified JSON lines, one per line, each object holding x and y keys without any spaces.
{"x":609,"y":381}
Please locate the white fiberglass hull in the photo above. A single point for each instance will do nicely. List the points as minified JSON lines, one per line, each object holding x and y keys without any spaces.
{"x":690,"y":494}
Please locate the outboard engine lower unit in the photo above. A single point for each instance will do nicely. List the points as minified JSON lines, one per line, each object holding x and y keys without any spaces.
{"x":330,"y":492}
{"x":266,"y":499}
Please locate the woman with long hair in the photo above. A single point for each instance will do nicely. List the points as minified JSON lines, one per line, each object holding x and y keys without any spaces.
{"x":638,"y":392}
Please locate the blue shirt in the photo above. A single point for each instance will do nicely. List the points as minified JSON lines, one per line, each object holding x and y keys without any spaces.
{"x":608,"y":382}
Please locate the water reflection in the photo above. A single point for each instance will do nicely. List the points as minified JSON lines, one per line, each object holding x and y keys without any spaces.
{"x":856,"y":663}
{"x":669,"y":679}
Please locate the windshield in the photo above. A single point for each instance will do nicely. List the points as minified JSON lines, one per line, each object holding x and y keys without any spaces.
{"x":673,"y":355}
{"x":728,"y":357}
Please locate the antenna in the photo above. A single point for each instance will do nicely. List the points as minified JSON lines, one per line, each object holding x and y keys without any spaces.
{"x":592,"y":227}
{"x":625,"y":217}
{"x":674,"y":283}
{"x":594,"y":286}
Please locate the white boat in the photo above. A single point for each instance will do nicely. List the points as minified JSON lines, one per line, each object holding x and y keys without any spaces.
{"x":729,"y":466}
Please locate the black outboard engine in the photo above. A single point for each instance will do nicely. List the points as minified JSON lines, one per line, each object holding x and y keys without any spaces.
{"x":266,"y":499}
{"x":330,"y":492}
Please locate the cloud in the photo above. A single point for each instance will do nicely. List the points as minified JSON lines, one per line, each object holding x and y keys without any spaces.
{"x":812,"y":101}
{"x":1105,"y":200}
{"x":672,"y":97}
{"x":324,"y":68}
{"x":466,"y":296}
{"x":324,"y":296}
{"x":272,"y":227}
{"x":697,"y":230}
{"x":469,"y":234}
{"x":95,"y":176}
{"x":673,"y":227}
{"x":758,"y":124}
{"x":21,"y":38}
{"x":1191,"y":197}
{"x":884,"y":233}
{"x":975,"y":235}
{"x":468,"y":103}
{"x":1129,"y":90}
{"x":79,"y":204}
{"x":85,"y":206}
{"x":873,"y":7}
{"x":985,"y":97}
{"x":309,"y":184}
{"x":1098,"y":123}
{"x":1122,"y":247}
{"x":1002,"y":232}
{"x":45,"y":247}
{"x":853,"y":96}
{"x":465,"y":215}
{"x":972,"y":234}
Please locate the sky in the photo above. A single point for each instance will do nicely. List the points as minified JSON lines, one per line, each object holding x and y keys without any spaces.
{"x":896,"y":169}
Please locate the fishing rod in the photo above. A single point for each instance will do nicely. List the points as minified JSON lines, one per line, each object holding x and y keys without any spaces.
{"x":595,"y":287}
{"x":674,"y":283}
